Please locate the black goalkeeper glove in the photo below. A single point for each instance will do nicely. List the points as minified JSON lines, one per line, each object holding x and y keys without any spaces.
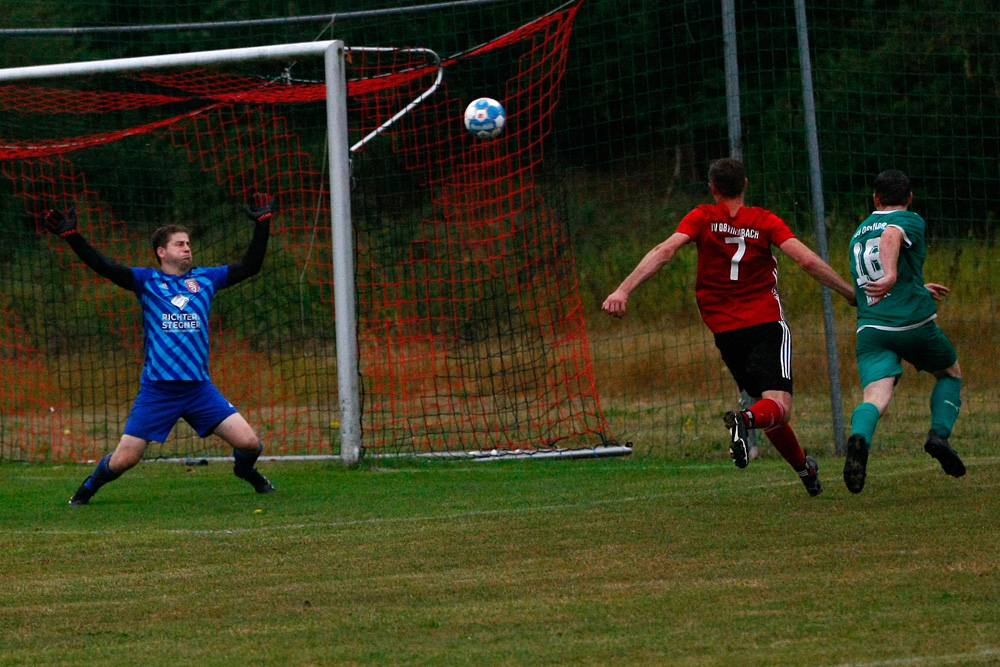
{"x":258,"y":208}
{"x":62,"y":225}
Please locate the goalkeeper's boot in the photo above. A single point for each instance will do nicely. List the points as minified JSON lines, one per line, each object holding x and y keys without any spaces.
{"x":82,"y":495}
{"x":259,"y":483}
{"x":856,"y":463}
{"x":810,"y":477}
{"x":938,"y":447}
{"x":737,"y":424}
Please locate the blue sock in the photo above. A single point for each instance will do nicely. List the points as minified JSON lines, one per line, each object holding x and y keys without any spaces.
{"x":245,"y":460}
{"x":102,"y":474}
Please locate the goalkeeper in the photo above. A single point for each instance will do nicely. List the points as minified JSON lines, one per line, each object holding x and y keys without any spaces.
{"x":175,"y":300}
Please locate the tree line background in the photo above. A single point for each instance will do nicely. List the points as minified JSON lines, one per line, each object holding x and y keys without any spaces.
{"x":915,"y":82}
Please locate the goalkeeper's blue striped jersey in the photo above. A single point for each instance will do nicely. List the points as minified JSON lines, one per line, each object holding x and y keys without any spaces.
{"x":175,"y":320}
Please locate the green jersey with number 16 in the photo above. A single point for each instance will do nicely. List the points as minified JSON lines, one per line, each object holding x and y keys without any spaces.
{"x":908,"y":304}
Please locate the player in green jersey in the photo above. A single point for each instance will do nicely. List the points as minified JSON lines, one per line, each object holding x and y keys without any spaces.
{"x":896,"y":313}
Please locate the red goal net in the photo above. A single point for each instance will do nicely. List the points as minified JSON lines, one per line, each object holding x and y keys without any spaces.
{"x":470,"y":332}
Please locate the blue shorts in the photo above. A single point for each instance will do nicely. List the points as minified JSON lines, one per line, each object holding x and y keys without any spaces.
{"x":160,"y":404}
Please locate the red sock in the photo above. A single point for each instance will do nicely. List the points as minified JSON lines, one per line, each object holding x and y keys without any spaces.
{"x":784,"y":440}
{"x":766,"y":413}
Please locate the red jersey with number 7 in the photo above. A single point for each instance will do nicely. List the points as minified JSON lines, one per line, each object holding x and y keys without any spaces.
{"x":737,"y":283}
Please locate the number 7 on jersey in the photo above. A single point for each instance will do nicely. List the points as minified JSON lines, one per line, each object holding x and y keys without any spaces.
{"x":741,"y":248}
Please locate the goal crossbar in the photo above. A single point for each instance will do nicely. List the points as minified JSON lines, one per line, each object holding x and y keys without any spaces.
{"x":191,"y":59}
{"x":342,"y":240}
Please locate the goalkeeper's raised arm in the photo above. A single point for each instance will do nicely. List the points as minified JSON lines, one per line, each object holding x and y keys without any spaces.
{"x":259,"y":209}
{"x":64,"y":226}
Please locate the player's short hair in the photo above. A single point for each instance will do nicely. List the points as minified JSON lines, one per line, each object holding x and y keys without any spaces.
{"x":728,"y":176}
{"x":893,"y":188}
{"x":161,"y":237}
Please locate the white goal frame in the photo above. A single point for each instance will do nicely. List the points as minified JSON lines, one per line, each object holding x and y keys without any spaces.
{"x":342,"y":237}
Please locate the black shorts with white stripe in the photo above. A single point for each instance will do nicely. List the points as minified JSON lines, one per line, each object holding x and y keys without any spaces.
{"x":759,"y":357}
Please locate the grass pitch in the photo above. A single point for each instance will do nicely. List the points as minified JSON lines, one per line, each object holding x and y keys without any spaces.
{"x":588,"y":562}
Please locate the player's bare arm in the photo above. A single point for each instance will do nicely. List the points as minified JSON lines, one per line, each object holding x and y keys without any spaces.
{"x":654,"y":260}
{"x":814,"y":265}
{"x":888,"y":253}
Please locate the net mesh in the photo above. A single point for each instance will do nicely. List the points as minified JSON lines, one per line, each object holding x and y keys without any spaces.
{"x":642,"y":112}
{"x":470,"y":328}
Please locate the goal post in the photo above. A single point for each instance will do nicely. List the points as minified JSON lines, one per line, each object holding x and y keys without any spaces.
{"x":342,"y":248}
{"x":343,"y":254}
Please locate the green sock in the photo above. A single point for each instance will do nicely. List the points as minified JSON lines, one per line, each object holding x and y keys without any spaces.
{"x":945,"y":401}
{"x":864,"y":419}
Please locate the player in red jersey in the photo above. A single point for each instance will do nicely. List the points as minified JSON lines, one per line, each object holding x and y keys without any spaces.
{"x":737,"y":294}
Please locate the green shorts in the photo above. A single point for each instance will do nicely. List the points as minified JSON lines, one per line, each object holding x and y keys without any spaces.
{"x":880,"y":352}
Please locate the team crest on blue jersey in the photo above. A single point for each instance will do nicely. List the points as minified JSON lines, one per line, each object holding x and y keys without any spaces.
{"x":192,"y":285}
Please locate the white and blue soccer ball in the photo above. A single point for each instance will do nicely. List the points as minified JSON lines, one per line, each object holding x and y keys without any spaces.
{"x":485,"y":118}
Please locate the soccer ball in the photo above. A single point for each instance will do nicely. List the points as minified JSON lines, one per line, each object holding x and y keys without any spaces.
{"x":485,"y":118}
